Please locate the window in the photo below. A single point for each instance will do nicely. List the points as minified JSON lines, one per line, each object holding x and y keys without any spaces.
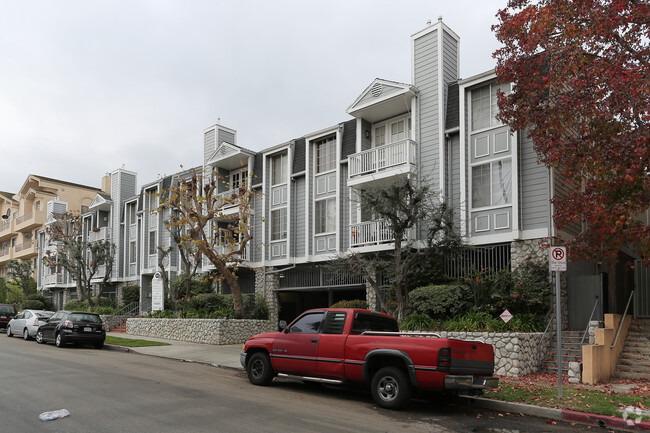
{"x":132,"y":253}
{"x":492,"y":184}
{"x":484,"y":106}
{"x":279,"y":224}
{"x":307,"y":324}
{"x":326,"y":154}
{"x":380,"y":136}
{"x":152,"y":242}
{"x":152,"y":200}
{"x":373,"y":322}
{"x":397,"y":131}
{"x":325,"y":212}
{"x":334,"y":322}
{"x":237,"y":178}
{"x":132,"y":213}
{"x":38,"y":205}
{"x":279,"y":169}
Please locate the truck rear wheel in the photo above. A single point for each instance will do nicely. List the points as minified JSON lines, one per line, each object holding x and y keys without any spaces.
{"x":259,"y":369}
{"x":390,"y":388}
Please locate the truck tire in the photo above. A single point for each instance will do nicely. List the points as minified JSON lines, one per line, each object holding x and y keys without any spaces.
{"x":259,"y":369}
{"x":390,"y":388}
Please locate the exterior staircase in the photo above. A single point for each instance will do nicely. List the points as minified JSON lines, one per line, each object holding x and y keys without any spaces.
{"x":634,"y":362}
{"x":120,"y":328}
{"x":571,"y":352}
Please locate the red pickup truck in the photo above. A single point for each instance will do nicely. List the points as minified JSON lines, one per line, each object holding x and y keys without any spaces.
{"x":342,"y":345}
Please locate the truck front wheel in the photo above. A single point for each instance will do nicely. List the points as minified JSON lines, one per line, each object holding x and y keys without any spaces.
{"x":390,"y":388}
{"x":259,"y":369}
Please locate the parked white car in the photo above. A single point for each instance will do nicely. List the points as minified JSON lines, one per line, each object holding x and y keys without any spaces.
{"x":27,"y":322}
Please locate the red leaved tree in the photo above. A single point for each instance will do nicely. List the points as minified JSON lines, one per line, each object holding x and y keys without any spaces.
{"x":581,"y":90}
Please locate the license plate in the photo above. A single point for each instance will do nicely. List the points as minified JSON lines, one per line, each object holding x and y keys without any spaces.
{"x":87,"y":329}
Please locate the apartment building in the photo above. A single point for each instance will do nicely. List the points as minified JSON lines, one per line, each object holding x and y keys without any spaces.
{"x":25,"y":212}
{"x":439,"y":129}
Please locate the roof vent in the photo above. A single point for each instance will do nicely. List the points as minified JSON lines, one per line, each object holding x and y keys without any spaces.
{"x":376,"y":89}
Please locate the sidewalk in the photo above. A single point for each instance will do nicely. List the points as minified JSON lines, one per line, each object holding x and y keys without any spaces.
{"x":227,"y":356}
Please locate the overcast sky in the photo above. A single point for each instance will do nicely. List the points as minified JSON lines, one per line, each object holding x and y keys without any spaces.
{"x":87,"y":87}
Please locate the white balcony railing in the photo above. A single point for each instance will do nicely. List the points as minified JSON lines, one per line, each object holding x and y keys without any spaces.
{"x":52,"y":279}
{"x":373,"y":233}
{"x":381,"y":158}
{"x":103,"y":234}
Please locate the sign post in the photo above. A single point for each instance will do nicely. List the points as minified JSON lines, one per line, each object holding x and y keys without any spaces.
{"x":157,"y":298}
{"x":557,"y":263}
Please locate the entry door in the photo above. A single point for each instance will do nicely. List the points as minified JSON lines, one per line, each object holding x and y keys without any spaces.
{"x":641,"y":290}
{"x":583,"y":290}
{"x":295,"y":350}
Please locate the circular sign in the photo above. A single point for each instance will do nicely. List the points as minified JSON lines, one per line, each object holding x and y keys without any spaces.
{"x":558,"y":253}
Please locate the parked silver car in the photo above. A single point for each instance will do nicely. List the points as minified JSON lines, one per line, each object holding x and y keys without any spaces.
{"x":27,"y":322}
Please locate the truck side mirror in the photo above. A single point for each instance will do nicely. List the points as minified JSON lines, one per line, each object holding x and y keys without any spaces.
{"x":282,"y":325}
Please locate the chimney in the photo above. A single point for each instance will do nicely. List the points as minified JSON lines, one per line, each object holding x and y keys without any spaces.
{"x":106,"y":184}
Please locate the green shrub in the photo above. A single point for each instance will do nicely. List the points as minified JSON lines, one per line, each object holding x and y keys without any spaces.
{"x":438,"y":301}
{"x":130,"y":294}
{"x":75,"y":304}
{"x":255,"y":307}
{"x":473,"y":321}
{"x":32,"y":304}
{"x":210,"y":302}
{"x":417,"y":322}
{"x":103,"y":310}
{"x":351,"y":303}
{"x":47,"y":304}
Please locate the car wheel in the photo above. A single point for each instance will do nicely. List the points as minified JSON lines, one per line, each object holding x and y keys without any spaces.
{"x":59,"y":340}
{"x":9,"y":334}
{"x":26,"y":334}
{"x":99,"y":345}
{"x":259,"y":369}
{"x":390,"y":388}
{"x":39,"y":337}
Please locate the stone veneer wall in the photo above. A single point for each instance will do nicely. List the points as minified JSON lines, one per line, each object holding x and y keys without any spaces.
{"x":208,"y":331}
{"x":515,"y":354}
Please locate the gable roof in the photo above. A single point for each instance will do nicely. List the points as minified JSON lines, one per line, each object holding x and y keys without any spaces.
{"x":381,"y":99}
{"x":229,"y":156}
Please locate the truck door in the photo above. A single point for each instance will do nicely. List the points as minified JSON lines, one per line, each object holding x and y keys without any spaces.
{"x":331,"y":348}
{"x":295,"y":350}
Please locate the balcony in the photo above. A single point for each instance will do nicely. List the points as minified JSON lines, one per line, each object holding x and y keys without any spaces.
{"x":246,"y":256}
{"x":102,"y":234}
{"x":383,"y":164}
{"x":6,"y":229}
{"x":25,"y":250}
{"x":4,"y":254}
{"x":30,"y":221}
{"x":53,"y":279}
{"x":229,"y":205}
{"x":372,"y":233}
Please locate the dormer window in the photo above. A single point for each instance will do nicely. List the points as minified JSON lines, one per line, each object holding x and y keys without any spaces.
{"x":326,"y":154}
{"x":279,"y":169}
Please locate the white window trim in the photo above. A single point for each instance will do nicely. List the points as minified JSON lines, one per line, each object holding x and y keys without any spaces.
{"x":512,"y":185}
{"x":325,"y":199}
{"x":386,"y":124}
{"x":476,"y":217}
{"x":507,"y":226}
{"x":286,"y":232}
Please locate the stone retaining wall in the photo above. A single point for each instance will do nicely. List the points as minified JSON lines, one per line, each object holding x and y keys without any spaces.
{"x":111,"y":321}
{"x":515,"y":354}
{"x":208,"y":331}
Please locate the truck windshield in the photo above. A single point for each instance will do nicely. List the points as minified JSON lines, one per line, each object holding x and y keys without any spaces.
{"x":373,"y":322}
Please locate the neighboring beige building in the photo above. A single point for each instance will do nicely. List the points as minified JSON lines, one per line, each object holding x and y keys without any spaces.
{"x":24,"y":213}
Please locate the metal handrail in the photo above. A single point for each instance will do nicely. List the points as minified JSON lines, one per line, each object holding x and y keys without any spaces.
{"x":589,"y":321}
{"x":128,"y":310}
{"x":620,"y":326}
{"x":548,"y":325}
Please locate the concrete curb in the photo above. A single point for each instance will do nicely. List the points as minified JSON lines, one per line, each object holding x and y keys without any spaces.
{"x":605,"y":421}
{"x":129,"y":350}
{"x":520,"y":408}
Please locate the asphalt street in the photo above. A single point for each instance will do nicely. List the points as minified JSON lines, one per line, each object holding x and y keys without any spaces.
{"x":116,"y":391}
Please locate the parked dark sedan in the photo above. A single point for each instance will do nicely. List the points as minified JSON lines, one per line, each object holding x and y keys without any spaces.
{"x":7,"y":312}
{"x":72,"y":327}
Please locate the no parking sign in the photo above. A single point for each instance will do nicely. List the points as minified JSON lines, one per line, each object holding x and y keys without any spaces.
{"x":557,"y":259}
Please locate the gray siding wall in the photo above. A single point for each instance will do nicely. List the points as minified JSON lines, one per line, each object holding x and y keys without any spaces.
{"x":426,"y":80}
{"x":226,"y":136}
{"x":453,"y":176}
{"x":209,"y":144}
{"x":298,"y":216}
{"x":258,"y":240}
{"x":344,"y":210}
{"x":123,"y":187}
{"x":533,"y":187}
